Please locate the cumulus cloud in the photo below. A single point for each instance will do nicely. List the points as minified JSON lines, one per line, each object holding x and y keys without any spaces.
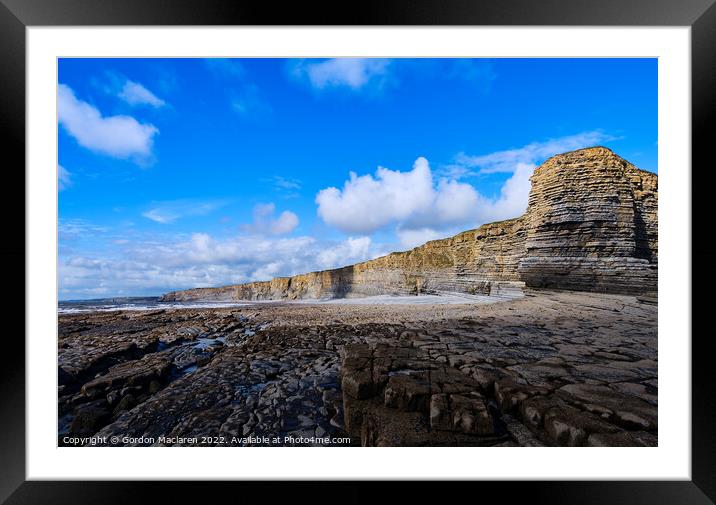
{"x":64,"y":179}
{"x":454,"y":203}
{"x":410,"y":238}
{"x":512,"y":200}
{"x":423,"y":206}
{"x":265,"y":222}
{"x":201,"y":261}
{"x":352,"y":250}
{"x":117,"y":136}
{"x":135,"y":94}
{"x":169,"y":211}
{"x":368,"y":203}
{"x":352,"y":73}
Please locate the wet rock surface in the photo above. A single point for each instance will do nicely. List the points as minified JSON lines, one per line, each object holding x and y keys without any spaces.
{"x":553,"y":368}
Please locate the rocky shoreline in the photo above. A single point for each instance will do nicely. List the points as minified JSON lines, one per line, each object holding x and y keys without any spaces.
{"x":551,"y":368}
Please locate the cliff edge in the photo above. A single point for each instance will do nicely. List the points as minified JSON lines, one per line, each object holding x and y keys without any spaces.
{"x":591,"y":225}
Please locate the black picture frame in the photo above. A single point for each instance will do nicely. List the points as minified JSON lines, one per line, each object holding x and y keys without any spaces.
{"x":700,"y":15}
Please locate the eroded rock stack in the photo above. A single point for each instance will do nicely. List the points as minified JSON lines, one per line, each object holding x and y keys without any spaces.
{"x":591,"y":225}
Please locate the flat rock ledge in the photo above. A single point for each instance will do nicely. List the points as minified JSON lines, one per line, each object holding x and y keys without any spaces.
{"x":399,"y":396}
{"x":551,"y":368}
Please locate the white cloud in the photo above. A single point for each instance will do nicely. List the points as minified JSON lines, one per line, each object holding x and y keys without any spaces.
{"x":116,"y":136}
{"x":410,"y":238}
{"x":367,"y":203}
{"x":265,"y":223}
{"x":160,"y":216}
{"x":353,"y":73}
{"x":507,"y":161}
{"x":286,"y":223}
{"x":135,"y":94}
{"x":512,"y":201}
{"x":284,"y":187}
{"x":75,"y":229}
{"x":352,"y":250}
{"x":454,"y":202}
{"x":286,"y":183}
{"x":169,"y":211}
{"x":423,"y":207}
{"x":64,"y":179}
{"x":201,"y":261}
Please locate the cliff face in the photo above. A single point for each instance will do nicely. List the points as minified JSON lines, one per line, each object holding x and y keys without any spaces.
{"x":481,"y":261}
{"x":591,"y":225}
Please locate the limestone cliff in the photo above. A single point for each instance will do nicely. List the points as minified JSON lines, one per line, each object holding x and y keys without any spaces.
{"x":591,"y":225}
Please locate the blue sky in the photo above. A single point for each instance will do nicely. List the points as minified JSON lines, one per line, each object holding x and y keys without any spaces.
{"x":178,"y":173}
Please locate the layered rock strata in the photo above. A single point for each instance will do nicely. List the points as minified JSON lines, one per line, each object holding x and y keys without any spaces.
{"x":481,"y":261}
{"x":591,"y":224}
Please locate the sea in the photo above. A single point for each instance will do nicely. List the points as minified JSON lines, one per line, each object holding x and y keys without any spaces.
{"x":136,"y":303}
{"x":153,"y":302}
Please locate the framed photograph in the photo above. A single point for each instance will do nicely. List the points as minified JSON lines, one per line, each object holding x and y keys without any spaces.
{"x":426,"y":242}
